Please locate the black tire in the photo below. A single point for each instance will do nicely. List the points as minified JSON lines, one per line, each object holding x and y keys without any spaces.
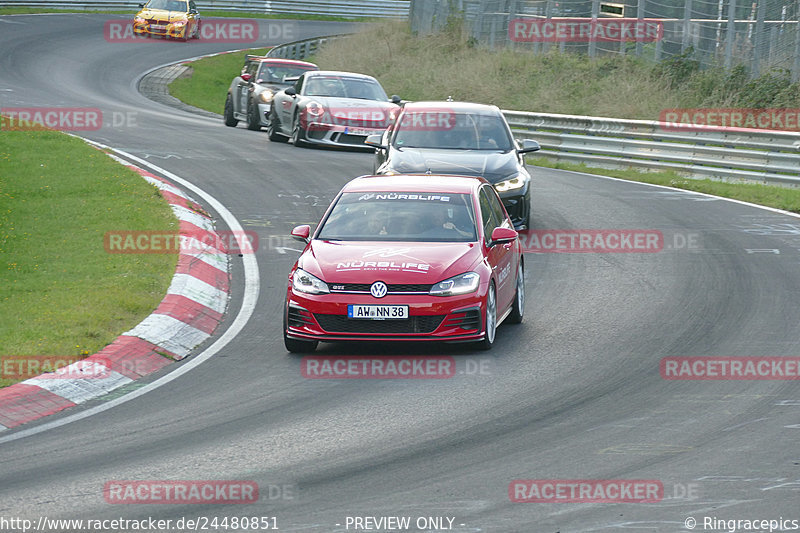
{"x":253,"y":121}
{"x":518,"y":308}
{"x":490,"y":319}
{"x":197,"y":30}
{"x":298,"y":133}
{"x":230,"y":120}
{"x":295,"y":345}
{"x":272,"y":129}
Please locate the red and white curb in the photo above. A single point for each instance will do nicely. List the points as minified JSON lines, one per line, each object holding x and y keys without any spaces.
{"x":190,"y":312}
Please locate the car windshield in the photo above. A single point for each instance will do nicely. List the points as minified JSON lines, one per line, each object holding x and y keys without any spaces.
{"x":445,"y":129}
{"x":168,"y":5}
{"x":272,"y":73}
{"x":401,"y":216}
{"x":344,"y":87}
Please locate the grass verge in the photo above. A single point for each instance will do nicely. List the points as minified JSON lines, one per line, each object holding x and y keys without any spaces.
{"x":784,"y":198}
{"x":209,"y":80}
{"x":63,"y":295}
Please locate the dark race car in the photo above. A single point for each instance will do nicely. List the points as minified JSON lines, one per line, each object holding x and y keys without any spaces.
{"x":331,"y":108}
{"x":250,"y":94}
{"x":459,"y":138}
{"x":406,"y":258}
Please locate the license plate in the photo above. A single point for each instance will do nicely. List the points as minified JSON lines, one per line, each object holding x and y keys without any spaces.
{"x":377,"y":312}
{"x":358,"y":131}
{"x":158,"y":26}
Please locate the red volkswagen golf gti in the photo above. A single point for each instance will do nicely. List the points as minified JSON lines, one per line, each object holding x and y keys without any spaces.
{"x":406,"y":258}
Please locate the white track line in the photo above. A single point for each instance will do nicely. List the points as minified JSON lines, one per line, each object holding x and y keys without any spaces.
{"x":251,"y":289}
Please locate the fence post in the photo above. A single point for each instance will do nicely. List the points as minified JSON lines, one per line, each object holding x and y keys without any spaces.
{"x":687,"y":24}
{"x":640,"y":16}
{"x":731,"y":34}
{"x":796,"y":69}
{"x":548,"y":14}
{"x":761,"y":9}
{"x":512,"y":14}
{"x":595,"y":12}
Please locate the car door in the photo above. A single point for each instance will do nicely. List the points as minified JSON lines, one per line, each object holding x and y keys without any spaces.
{"x":285,"y":108}
{"x":501,"y":257}
{"x":244,"y":87}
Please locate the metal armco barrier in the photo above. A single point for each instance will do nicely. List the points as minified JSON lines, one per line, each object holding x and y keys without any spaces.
{"x":339,"y":8}
{"x":301,"y":49}
{"x":754,"y":155}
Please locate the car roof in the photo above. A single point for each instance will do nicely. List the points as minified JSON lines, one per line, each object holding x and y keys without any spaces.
{"x":456,"y":107}
{"x":416,"y":183}
{"x":339,"y":73}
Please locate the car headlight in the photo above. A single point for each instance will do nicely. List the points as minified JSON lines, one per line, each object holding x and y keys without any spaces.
{"x":517,"y":182}
{"x":266,"y":96}
{"x":138,"y":20}
{"x":462,"y":284}
{"x":179,"y":23}
{"x":302,"y":281}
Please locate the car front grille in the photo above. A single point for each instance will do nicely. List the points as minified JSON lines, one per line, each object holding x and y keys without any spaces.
{"x":414,"y":324}
{"x":346,"y":138}
{"x":394,"y":288}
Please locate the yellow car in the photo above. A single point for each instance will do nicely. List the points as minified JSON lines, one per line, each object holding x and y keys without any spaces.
{"x":177,"y":19}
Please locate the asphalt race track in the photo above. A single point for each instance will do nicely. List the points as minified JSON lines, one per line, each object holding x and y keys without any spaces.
{"x":572,"y":393}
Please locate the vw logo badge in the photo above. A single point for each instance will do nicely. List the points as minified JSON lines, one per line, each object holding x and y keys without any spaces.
{"x":378,"y":289}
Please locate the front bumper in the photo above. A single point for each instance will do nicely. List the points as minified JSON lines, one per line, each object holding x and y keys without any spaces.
{"x":341,"y":135}
{"x":163,"y":29}
{"x":324,"y":318}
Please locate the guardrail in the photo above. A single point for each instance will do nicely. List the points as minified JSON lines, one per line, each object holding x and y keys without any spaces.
{"x":753,"y":155}
{"x":301,"y":49}
{"x":339,"y":8}
{"x":731,"y":154}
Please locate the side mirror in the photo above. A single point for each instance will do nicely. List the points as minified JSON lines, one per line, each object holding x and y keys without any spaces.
{"x":141,"y":5}
{"x":246,"y":77}
{"x":291,"y":91}
{"x":395,"y":99}
{"x":375,"y":140}
{"x":503,"y":235}
{"x":302,"y":233}
{"x":529,"y":145}
{"x":193,"y":12}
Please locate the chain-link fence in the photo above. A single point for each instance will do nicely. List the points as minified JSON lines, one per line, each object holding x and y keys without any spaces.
{"x":761,"y":34}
